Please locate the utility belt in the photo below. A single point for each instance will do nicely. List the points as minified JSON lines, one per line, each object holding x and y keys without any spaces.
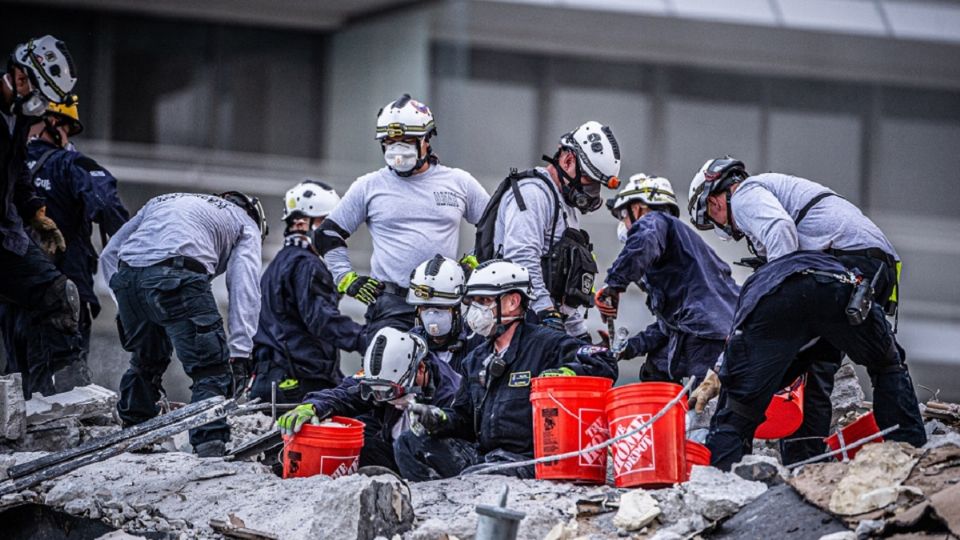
{"x":861,"y":297}
{"x":394,"y":289}
{"x":179,"y":261}
{"x":570,"y":269}
{"x":892,"y":264}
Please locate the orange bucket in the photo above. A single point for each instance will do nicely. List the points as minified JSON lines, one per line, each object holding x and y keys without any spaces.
{"x":568,"y":416}
{"x":654,"y":457}
{"x":697,"y":454}
{"x":784,"y":414}
{"x":330,"y":448}
{"x":864,"y":426}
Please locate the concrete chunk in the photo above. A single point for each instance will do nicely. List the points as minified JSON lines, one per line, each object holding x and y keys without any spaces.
{"x":637,"y":510}
{"x":81,"y":402}
{"x":12,"y":407}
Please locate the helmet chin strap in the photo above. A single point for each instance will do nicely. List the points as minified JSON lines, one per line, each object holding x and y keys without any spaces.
{"x":53,"y":132}
{"x":422,"y":158}
{"x":501,"y":327}
{"x":572,"y":186}
{"x":730,"y":228}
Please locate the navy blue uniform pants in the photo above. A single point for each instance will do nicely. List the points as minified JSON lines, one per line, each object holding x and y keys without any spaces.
{"x":390,"y":310}
{"x":760,"y":354}
{"x":162,"y":309}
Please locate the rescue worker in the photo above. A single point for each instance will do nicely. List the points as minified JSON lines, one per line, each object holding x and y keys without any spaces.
{"x":412,"y":207}
{"x":436,"y":291}
{"x":159,"y":266}
{"x":398,"y":370}
{"x":39,"y":72}
{"x":689,"y":288}
{"x":818,"y":247}
{"x":532,"y":219}
{"x":78,"y":193}
{"x":491,"y":420}
{"x":301,"y":331}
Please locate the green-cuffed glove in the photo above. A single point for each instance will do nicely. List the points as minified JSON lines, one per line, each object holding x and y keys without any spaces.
{"x":291,"y":421}
{"x":559,"y":372}
{"x":363,"y":288}
{"x":469,"y":262}
{"x":430,"y":417}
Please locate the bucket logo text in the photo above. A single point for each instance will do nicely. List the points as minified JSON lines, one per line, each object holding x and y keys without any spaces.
{"x":636,"y":452}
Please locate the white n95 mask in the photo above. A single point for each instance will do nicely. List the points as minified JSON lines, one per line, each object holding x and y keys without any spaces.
{"x":437,"y":321}
{"x":622,"y":232}
{"x":400,"y":156}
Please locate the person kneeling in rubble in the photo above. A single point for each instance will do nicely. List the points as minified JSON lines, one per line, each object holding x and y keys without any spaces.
{"x":491,"y":420}
{"x":398,"y":370}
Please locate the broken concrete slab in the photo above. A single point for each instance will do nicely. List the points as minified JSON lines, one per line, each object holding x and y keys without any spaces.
{"x":715,"y":494}
{"x":847,"y":396}
{"x":176,"y":492}
{"x":779,"y":512}
{"x":81,"y":402}
{"x":764,"y":469}
{"x":873,"y":479}
{"x":13,"y":412}
{"x":637,"y":510}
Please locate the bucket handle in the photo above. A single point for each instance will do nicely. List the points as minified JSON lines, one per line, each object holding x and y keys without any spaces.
{"x":568,"y":411}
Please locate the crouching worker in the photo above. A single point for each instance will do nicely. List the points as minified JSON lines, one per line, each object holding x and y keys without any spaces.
{"x":689,"y":288}
{"x":398,"y":370}
{"x":297,"y":344}
{"x":492,"y":420}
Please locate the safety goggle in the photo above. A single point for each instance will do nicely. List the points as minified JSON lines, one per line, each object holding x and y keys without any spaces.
{"x":383,"y":390}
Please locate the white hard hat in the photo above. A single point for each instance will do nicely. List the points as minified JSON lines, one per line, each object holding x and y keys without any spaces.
{"x":436,"y":282}
{"x":49,"y":65}
{"x":597,"y":152}
{"x":715,"y":175}
{"x":496,"y":277}
{"x":390,"y":363}
{"x":652,"y":191}
{"x":405,"y":117}
{"x":309,"y":198}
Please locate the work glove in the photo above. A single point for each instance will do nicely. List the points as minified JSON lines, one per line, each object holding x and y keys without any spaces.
{"x":363,"y":288}
{"x":551,"y":318}
{"x":469,"y":263}
{"x":707,"y":390}
{"x":51,"y":239}
{"x":292,"y":421}
{"x":430,"y":417}
{"x":558,"y":372}
{"x":240,"y":370}
{"x":607,"y":300}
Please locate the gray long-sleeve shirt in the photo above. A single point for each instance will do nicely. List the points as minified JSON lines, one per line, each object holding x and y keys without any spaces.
{"x":211,"y":230}
{"x":766,"y":206}
{"x":524,"y":236}
{"x":410,"y":219}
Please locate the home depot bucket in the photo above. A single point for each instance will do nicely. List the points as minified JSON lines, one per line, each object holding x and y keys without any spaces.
{"x":568,"y":416}
{"x":331,"y":448}
{"x":697,"y":454}
{"x":864,"y":426}
{"x":655,"y":456}
{"x":784,"y":414}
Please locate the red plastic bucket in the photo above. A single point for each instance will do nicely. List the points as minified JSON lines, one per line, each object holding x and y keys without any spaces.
{"x":654,"y":457}
{"x":697,"y":454}
{"x":331,"y":448}
{"x":864,"y":426}
{"x":784,"y":414}
{"x":568,"y":415}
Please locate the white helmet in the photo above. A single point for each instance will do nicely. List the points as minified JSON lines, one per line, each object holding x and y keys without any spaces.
{"x":310,"y":198}
{"x":597,"y":152}
{"x":390,"y":364}
{"x":49,"y":65}
{"x":436,"y":282}
{"x":405,"y":117}
{"x":653,"y":191}
{"x":715,"y":175}
{"x":496,"y":277}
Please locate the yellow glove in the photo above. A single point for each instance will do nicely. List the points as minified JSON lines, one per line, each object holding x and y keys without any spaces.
{"x":51,"y":239}
{"x":708,"y":389}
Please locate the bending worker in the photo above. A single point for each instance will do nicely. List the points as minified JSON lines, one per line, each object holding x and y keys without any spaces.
{"x":804,"y":294}
{"x":491,"y":420}
{"x":398,"y":370}
{"x":689,"y":289}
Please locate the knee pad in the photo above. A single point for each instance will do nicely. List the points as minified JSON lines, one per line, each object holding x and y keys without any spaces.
{"x":891,"y":362}
{"x":62,"y":301}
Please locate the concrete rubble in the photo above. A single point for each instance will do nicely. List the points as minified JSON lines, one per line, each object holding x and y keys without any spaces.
{"x":57,"y":422}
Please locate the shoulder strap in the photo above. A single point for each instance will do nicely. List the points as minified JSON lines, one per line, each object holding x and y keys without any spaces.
{"x":813,"y":202}
{"x":556,"y":206}
{"x":40,"y":162}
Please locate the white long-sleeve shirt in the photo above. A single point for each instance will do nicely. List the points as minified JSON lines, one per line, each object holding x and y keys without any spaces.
{"x":410,"y":219}
{"x":213,"y":231}
{"x":765,"y":208}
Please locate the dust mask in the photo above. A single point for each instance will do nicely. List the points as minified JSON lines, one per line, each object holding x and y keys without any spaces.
{"x":437,"y":321}
{"x":622,"y":232}
{"x":722,"y":234}
{"x":481,"y":319}
{"x":401,"y":157}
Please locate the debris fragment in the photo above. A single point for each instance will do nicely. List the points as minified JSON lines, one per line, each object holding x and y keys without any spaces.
{"x":637,"y":510}
{"x":873,"y":479}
